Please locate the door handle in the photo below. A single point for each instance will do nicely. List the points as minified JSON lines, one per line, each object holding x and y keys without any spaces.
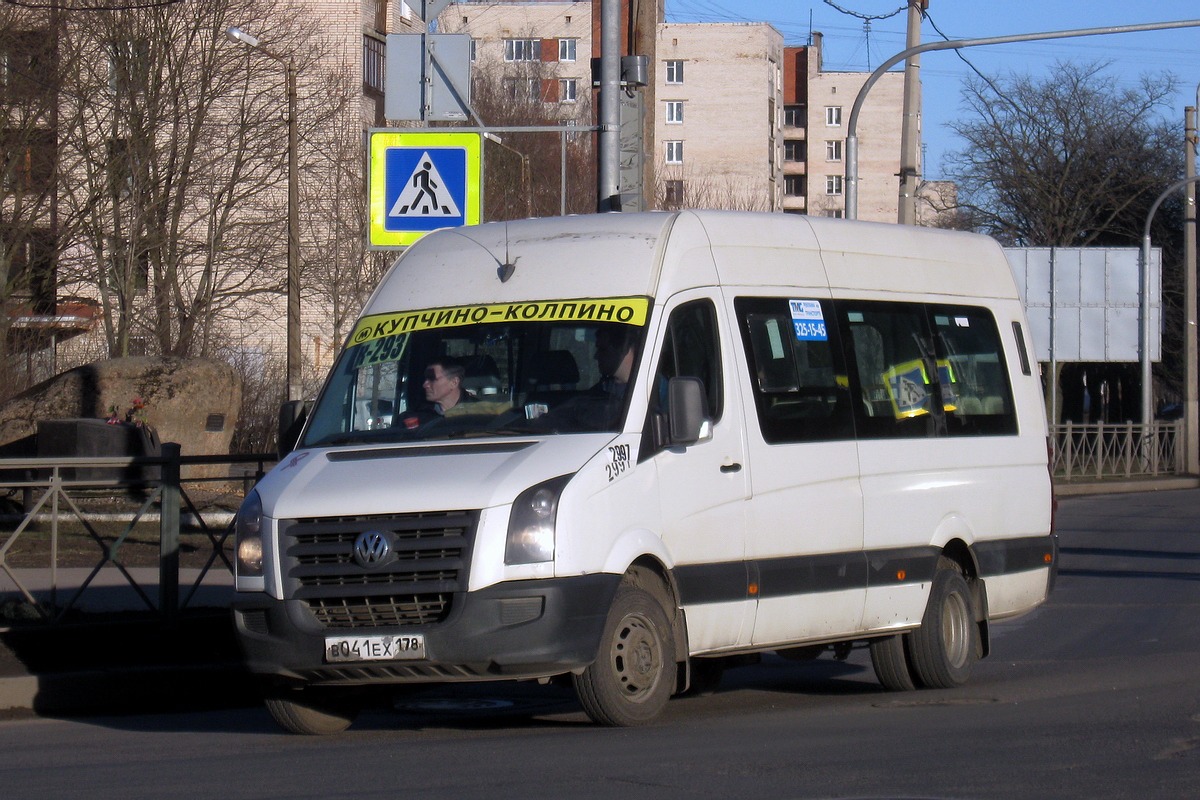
{"x":734,"y":467}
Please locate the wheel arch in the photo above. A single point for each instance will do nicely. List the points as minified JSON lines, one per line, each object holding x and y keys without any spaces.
{"x":960,"y":553}
{"x":648,"y":568}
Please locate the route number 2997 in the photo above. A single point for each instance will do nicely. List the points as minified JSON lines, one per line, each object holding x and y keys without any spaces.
{"x":618,"y":460}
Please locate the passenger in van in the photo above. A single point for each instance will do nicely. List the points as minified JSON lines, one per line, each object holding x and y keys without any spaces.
{"x":614,"y":357}
{"x":615,"y":346}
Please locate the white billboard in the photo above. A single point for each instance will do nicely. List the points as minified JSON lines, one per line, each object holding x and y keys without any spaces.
{"x":1084,"y":302}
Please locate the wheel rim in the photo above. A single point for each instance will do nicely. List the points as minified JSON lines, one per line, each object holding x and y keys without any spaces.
{"x":636,"y":657}
{"x":956,"y":630}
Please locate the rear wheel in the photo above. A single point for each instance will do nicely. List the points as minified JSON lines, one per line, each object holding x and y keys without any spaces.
{"x":891,"y":665}
{"x":944,"y":649}
{"x":633,"y":675}
{"x":308,"y":713}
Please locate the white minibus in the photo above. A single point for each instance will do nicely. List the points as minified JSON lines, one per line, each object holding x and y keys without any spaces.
{"x":627,"y":451}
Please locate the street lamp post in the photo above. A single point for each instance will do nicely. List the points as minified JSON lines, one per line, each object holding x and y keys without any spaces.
{"x":294,"y":390}
{"x":960,"y":44}
{"x":526,"y":183}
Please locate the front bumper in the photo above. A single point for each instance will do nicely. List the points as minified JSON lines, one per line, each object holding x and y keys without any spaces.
{"x":520,"y":629}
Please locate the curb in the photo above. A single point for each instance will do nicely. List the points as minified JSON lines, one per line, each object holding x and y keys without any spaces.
{"x":1125,"y":486}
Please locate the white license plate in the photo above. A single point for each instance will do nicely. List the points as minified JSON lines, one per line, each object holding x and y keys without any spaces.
{"x":408,"y":647}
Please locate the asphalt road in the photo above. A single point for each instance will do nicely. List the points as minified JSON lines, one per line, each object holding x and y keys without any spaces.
{"x":1097,"y":694}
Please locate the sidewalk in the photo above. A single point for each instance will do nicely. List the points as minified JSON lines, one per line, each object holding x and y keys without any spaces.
{"x":117,"y":656}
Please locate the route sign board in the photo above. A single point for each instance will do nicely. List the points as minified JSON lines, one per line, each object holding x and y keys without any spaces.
{"x":420,"y":181}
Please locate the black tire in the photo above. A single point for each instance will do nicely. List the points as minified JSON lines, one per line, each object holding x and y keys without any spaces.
{"x":301,"y":712}
{"x":943,"y":650}
{"x":633,"y":675}
{"x":891,"y":664}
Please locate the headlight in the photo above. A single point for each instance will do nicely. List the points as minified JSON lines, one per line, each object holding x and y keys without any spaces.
{"x":248,"y":530}
{"x":531,"y":524}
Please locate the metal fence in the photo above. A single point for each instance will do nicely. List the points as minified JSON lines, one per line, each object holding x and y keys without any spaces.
{"x":1129,"y":450}
{"x":56,"y":492}
{"x":56,"y":495}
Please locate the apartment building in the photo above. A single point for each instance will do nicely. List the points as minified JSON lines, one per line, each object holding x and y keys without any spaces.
{"x":719,"y":90}
{"x":816,"y":111}
{"x":537,"y":51}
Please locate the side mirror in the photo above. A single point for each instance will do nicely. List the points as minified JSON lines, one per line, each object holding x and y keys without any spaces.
{"x":292,"y":415}
{"x":688,"y":411}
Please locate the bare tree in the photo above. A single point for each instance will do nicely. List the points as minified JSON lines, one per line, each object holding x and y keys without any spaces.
{"x":525,"y":176}
{"x":339,"y":272}
{"x":174,"y":145}
{"x":687,"y":187}
{"x":1072,"y":159}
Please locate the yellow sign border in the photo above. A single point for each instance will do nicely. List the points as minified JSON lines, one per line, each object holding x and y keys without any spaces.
{"x":380,"y":141}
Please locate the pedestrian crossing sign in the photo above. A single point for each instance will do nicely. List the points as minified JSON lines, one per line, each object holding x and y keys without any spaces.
{"x":420,"y":181}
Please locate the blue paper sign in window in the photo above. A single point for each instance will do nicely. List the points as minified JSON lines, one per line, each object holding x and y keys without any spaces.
{"x":808,"y":321}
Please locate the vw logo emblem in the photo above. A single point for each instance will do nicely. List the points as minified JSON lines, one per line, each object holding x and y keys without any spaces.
{"x":371,"y":548}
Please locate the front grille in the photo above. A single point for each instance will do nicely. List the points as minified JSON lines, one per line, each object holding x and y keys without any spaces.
{"x":414,"y":585}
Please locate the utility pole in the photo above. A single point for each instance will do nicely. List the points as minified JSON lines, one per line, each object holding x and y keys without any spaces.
{"x":609,"y":140}
{"x":910,"y":133}
{"x":1191,"y":418}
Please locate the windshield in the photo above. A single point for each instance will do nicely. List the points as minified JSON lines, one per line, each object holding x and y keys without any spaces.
{"x":510,"y":368}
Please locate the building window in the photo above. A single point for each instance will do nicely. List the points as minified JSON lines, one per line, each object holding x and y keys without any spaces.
{"x":793,"y":185}
{"x":522,"y":88}
{"x":793,"y":150}
{"x":24,"y":58}
{"x":833,"y":184}
{"x":793,"y":116}
{"x":374,"y":51}
{"x":522,"y":49}
{"x":674,"y":112}
{"x":833,"y":150}
{"x":833,"y":116}
{"x":674,"y":194}
{"x":27,"y":159}
{"x":675,"y":71}
{"x":675,"y":152}
{"x":567,"y":49}
{"x":128,"y":65}
{"x":836,"y":213}
{"x":568,"y":90}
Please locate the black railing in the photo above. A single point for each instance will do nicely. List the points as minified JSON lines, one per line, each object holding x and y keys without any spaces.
{"x":96,"y":505}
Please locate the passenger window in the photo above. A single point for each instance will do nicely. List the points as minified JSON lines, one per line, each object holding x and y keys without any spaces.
{"x":691,"y":348}
{"x":981,"y":402}
{"x":800,"y":387}
{"x":896,"y":370}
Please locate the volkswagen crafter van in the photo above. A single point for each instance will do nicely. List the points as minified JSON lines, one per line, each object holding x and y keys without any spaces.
{"x":684,"y":439}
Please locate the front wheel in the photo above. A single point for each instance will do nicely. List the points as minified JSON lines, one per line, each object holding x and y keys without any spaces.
{"x":944,"y":649}
{"x":633,"y":675}
{"x":303,"y":712}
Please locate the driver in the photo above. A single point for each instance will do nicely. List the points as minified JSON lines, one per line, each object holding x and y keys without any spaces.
{"x":444,"y":393}
{"x":443,"y":386}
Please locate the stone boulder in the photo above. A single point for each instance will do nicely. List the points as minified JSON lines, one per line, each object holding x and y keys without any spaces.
{"x":192,"y":401}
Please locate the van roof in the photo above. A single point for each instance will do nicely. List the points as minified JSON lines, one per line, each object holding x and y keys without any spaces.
{"x":658,"y":253}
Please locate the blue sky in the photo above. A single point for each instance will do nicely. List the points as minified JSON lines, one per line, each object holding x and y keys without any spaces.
{"x":847,"y":46}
